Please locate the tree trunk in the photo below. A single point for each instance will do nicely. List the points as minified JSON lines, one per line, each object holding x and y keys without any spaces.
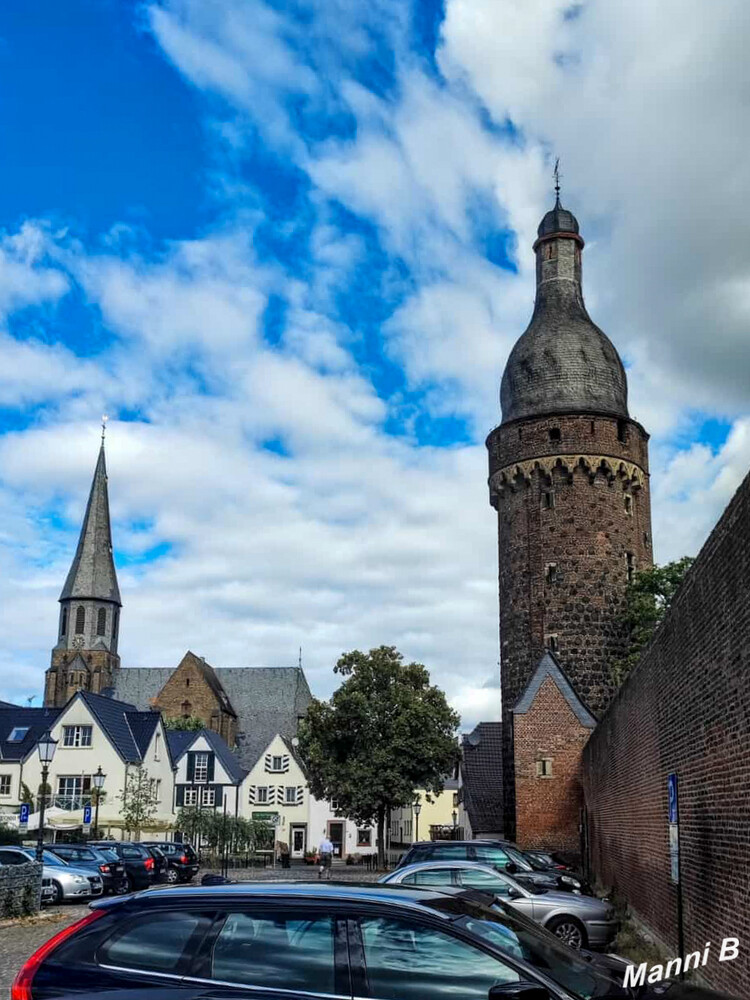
{"x":381,"y":837}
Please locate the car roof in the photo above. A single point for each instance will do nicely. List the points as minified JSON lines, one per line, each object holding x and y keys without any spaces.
{"x":421,"y":866}
{"x":461,"y":843}
{"x":346,"y":892}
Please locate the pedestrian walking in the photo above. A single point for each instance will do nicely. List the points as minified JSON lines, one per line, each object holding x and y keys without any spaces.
{"x":326,"y":857}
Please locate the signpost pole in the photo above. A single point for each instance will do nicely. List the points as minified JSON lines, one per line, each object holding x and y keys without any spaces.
{"x":674,"y":857}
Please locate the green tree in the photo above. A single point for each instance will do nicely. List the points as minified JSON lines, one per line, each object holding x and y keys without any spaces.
{"x":187,"y":723}
{"x":647,"y":600}
{"x":385,"y":732}
{"x":27,"y":796}
{"x":139,"y":800}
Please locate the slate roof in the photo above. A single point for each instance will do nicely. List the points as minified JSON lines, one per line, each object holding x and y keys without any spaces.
{"x":563,"y":362}
{"x":267,"y":700}
{"x":39,"y":720}
{"x":549,"y":667}
{"x":129,"y":729}
{"x":482,"y":777}
{"x":180,"y":742}
{"x":558,"y":220}
{"x":92,"y":574}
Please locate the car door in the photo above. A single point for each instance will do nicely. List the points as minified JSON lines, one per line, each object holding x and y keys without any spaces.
{"x":275,"y":952}
{"x":402,"y":958}
{"x":475,"y":878}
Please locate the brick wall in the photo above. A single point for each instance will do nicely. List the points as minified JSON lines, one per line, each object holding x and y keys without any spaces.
{"x":548,"y":808}
{"x":20,"y":889}
{"x":187,"y":692}
{"x":685,"y":708}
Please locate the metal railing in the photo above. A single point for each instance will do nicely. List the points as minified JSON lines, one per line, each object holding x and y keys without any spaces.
{"x":71,"y":802}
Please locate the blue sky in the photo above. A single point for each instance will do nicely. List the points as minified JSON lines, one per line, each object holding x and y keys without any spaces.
{"x":286,"y":246}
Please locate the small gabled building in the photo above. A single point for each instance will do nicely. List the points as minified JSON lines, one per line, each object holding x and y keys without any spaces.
{"x":92,"y":731}
{"x":551,"y":726}
{"x":207,"y":772}
{"x":480,"y":782}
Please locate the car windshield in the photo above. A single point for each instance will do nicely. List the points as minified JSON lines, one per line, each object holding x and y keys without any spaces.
{"x":48,"y":858}
{"x":518,"y":936}
{"x":523,"y":863}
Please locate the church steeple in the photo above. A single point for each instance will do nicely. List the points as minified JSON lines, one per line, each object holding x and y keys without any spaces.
{"x":85,"y":657}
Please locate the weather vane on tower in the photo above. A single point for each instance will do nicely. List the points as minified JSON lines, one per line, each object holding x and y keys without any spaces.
{"x":556,"y":172}
{"x":105,"y":418}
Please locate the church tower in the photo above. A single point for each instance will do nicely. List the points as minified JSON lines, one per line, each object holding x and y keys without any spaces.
{"x":85,"y":657}
{"x":569,"y":481}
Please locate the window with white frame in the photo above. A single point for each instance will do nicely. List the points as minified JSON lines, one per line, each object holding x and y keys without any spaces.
{"x":261,"y":795}
{"x":157,"y":746}
{"x":209,"y":796}
{"x":156,"y":788}
{"x":77,"y":736}
{"x":190,"y":797}
{"x":200,"y":767}
{"x":18,"y":734}
{"x":293,"y":795}
{"x":277,"y":763}
{"x":4,"y":784}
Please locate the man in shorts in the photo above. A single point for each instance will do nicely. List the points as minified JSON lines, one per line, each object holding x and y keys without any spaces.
{"x":326,"y":857}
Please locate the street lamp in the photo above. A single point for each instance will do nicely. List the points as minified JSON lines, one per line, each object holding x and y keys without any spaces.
{"x":417,"y":811}
{"x":454,"y":814}
{"x":98,"y":780}
{"x":46,"y":750}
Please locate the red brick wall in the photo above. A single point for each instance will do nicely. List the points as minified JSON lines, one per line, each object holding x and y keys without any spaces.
{"x":685,"y":708}
{"x":548,"y":809}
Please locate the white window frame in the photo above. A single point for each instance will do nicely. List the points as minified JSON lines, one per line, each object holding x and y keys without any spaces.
{"x":201,"y":756}
{"x":157,"y":746}
{"x":291,"y":795}
{"x":262,"y":795}
{"x":544,"y":767}
{"x":23,"y":730}
{"x":74,"y":737}
{"x":190,"y":797}
{"x":6,"y":782}
{"x":208,"y":796}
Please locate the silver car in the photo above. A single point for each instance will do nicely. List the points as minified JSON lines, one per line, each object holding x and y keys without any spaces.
{"x":67,"y":882}
{"x":579,"y":921}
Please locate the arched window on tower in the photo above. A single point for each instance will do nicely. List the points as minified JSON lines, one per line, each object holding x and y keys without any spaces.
{"x":101,"y":621}
{"x":115,"y":624}
{"x":64,"y":622}
{"x":80,"y":619}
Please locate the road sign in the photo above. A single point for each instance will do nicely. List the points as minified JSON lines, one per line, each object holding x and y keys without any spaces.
{"x":23,"y":818}
{"x":672,"y":789}
{"x":87,"y":818}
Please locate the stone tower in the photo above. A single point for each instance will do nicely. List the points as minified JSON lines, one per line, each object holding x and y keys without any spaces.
{"x":569,"y":481}
{"x":85,"y":657}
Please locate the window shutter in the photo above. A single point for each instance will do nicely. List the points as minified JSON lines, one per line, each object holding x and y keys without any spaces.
{"x":180,"y":800}
{"x":190,"y":765}
{"x":211,"y":762}
{"x":268,"y":762}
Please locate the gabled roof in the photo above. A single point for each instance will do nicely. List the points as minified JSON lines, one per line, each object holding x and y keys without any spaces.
{"x":8,"y":704}
{"x":92,"y":574}
{"x":38,"y":720}
{"x":549,"y":667}
{"x":181,"y":741}
{"x":129,"y":730}
{"x":482,"y":777}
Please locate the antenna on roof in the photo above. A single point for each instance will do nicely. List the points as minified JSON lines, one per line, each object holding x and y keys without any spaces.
{"x":30,"y":699}
{"x":556,"y":172}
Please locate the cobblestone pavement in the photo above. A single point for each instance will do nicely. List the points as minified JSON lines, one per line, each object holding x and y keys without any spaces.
{"x":20,"y":939}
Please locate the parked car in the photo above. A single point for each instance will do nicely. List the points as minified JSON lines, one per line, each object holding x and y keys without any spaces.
{"x":98,"y":859}
{"x":579,"y":921}
{"x":304,"y":940}
{"x":182,"y":860}
{"x":498,"y":853}
{"x":67,"y":881}
{"x":48,"y":891}
{"x":160,"y":863}
{"x":138,"y":861}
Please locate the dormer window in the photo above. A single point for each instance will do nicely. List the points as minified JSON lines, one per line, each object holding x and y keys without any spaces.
{"x":200,"y":768}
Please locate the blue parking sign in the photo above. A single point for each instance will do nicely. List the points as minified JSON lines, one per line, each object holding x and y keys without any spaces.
{"x":672,"y":788}
{"x":87,"y":815}
{"x":24,"y":814}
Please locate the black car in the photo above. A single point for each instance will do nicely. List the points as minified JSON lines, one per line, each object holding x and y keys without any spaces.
{"x":182,"y":860}
{"x":99,"y":859}
{"x":500,"y":854}
{"x":138,"y":861}
{"x":160,"y":863}
{"x":298,"y":941}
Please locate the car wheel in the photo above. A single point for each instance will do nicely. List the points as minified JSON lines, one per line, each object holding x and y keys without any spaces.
{"x":58,"y":896}
{"x":172,"y":876}
{"x":569,"y":930}
{"x":130,"y":883}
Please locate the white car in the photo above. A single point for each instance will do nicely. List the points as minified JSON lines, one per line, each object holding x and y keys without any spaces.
{"x":67,"y":882}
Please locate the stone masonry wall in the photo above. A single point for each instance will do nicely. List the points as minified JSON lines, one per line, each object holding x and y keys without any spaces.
{"x":685,"y":708}
{"x":20,"y":889}
{"x":548,"y":808}
{"x":566,"y":524}
{"x":188,"y":693}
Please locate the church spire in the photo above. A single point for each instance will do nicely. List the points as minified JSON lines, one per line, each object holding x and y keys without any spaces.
{"x":92,"y":574}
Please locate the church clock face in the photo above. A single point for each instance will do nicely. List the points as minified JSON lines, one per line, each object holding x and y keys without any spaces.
{"x":78,"y":641}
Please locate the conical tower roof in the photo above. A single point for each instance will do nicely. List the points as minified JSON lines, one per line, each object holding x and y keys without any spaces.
{"x":92,"y":574}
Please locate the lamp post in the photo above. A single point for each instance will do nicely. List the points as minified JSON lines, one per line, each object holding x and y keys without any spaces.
{"x":454,"y":814}
{"x":417,"y":811}
{"x":98,"y":780}
{"x":46,"y":750}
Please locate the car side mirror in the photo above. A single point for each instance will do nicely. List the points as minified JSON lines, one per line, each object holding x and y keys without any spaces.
{"x":518,"y":991}
{"x":514,"y":893}
{"x":511,"y":867}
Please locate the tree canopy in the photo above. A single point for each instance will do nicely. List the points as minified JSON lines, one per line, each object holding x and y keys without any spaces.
{"x":385,"y":733}
{"x":188,"y":723}
{"x":139,"y":800}
{"x":647,"y":600}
